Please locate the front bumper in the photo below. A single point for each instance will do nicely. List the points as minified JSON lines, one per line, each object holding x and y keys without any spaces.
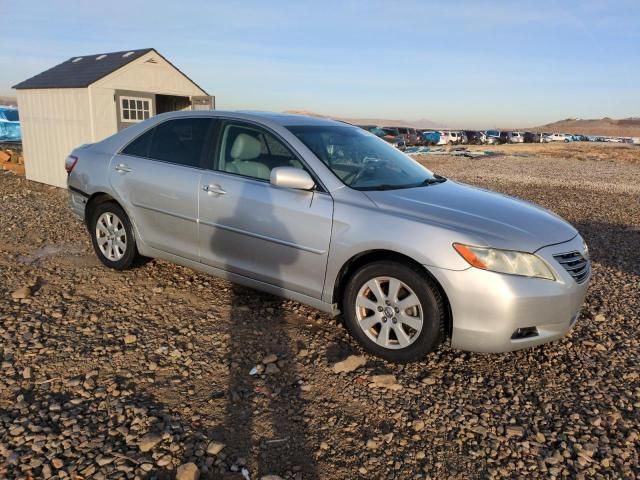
{"x":488,"y":308}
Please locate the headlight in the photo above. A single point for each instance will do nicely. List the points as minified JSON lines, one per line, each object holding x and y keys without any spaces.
{"x":585,"y":250}
{"x":504,"y":261}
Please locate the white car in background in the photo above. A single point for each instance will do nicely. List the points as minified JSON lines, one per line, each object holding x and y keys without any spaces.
{"x":450,"y":137}
{"x":515,"y":137}
{"x":559,"y":137}
{"x":455,"y":138}
{"x":444,"y":137}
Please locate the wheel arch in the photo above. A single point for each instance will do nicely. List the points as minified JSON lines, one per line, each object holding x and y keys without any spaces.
{"x":95,"y":200}
{"x":363,"y":258}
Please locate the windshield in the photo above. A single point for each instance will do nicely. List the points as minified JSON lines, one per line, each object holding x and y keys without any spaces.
{"x":362,"y":160}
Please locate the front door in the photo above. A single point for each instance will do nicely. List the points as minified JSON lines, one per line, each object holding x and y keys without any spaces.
{"x":249,"y":227}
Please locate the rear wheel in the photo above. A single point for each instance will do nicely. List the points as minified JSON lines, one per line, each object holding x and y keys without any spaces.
{"x":394,"y":311}
{"x":112,"y":236}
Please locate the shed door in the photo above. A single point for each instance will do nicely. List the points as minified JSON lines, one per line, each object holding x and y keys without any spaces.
{"x":203,"y":102}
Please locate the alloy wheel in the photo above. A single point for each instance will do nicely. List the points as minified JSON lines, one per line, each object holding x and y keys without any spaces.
{"x":389,"y":312}
{"x":111,"y":236}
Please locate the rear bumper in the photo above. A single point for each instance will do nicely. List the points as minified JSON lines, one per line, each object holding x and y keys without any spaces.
{"x":77,"y":202}
{"x":488,"y":308}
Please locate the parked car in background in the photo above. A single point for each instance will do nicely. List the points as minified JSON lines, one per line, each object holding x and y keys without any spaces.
{"x":10,"y":125}
{"x":409,"y":135}
{"x":322,"y":213}
{"x":454,"y":138}
{"x":473,"y":137}
{"x":414,"y":137}
{"x":391,"y":136}
{"x":511,"y":137}
{"x":532,"y":137}
{"x":559,"y":137}
{"x":491,"y":137}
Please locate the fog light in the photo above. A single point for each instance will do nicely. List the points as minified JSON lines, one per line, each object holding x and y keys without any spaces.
{"x":526,"y":332}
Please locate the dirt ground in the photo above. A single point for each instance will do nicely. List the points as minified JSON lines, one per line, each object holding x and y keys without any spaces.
{"x":131,"y":375}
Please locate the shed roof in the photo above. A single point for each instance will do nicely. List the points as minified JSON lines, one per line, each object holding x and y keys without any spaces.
{"x":82,"y":71}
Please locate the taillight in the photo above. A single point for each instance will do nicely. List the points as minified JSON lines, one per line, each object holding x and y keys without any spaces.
{"x":69,"y":163}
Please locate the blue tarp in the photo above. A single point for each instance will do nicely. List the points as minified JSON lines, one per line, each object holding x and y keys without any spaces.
{"x":9,"y":125}
{"x":431,"y":137}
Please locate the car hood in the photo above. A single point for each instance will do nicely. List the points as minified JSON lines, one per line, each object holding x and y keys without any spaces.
{"x":479,"y":215}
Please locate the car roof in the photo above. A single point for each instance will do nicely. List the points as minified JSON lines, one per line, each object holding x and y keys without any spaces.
{"x":284,"y":119}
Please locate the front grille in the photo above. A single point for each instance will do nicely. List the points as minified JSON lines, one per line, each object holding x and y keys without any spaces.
{"x":574,"y":263}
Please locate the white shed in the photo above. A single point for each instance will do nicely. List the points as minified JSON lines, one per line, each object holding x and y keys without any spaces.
{"x":88,"y":98}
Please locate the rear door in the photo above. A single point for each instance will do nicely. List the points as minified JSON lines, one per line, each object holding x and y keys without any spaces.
{"x":157,"y":177}
{"x":249,"y":227}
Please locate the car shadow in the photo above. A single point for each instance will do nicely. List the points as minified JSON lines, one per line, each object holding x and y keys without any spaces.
{"x":613,"y":245}
{"x":264,"y":415}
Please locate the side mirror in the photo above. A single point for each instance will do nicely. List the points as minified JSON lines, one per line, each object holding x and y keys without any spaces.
{"x":290,"y":177}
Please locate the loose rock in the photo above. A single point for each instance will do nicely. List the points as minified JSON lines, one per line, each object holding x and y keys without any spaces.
{"x":351,"y":363}
{"x":214,"y":448}
{"x":188,"y":471}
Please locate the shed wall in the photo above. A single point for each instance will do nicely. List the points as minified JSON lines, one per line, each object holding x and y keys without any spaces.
{"x":156,"y":77}
{"x":53,"y":122}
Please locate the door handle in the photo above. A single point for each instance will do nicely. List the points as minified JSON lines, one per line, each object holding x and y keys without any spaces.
{"x":122,"y":168}
{"x":214,"y":189}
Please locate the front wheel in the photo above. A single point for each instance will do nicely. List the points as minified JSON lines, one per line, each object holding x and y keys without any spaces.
{"x":112,"y":236}
{"x":394,"y":311}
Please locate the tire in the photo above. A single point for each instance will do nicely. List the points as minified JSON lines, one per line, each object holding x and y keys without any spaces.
{"x":428,"y":304}
{"x":119,"y":234}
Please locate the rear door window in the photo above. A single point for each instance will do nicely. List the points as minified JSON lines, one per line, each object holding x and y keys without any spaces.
{"x":183,"y":141}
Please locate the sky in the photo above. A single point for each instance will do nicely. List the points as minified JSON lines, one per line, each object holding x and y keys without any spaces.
{"x":458,"y":63}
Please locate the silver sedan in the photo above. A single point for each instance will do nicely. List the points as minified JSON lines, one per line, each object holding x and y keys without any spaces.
{"x":329,"y":215}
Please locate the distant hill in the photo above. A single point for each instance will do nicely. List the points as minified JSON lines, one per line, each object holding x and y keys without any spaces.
{"x":383,"y":122}
{"x":626,"y":127}
{"x":11,"y":101}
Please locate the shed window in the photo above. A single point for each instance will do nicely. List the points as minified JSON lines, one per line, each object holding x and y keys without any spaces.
{"x":134,"y":109}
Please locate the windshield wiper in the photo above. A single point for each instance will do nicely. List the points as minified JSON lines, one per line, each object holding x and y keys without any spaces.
{"x":432,"y":181}
{"x":386,"y":186}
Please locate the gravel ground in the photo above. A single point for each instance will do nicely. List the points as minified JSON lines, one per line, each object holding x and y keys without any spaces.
{"x":146,"y":373}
